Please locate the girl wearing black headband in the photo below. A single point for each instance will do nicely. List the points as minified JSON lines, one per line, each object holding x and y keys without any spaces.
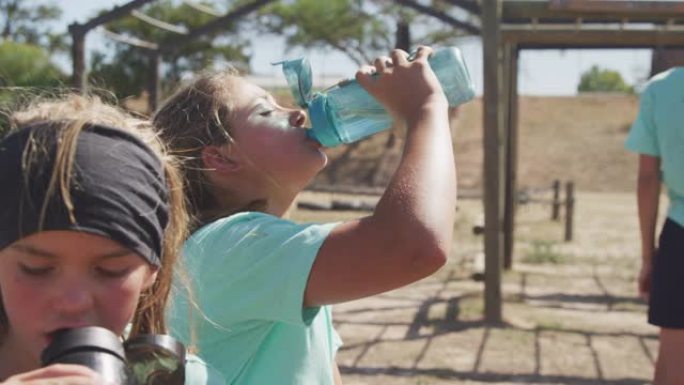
{"x":91,"y":225}
{"x":266,"y":281}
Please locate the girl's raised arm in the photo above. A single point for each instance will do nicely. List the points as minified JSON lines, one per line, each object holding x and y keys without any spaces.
{"x":409,"y":234}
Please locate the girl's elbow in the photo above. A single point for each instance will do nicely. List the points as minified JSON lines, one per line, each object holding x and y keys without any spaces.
{"x":430,"y":260}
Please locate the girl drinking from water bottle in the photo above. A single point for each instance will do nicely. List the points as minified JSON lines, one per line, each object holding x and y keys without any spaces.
{"x":266,"y":283}
{"x":92,"y":222}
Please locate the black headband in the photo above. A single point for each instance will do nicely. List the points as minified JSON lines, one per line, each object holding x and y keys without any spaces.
{"x":117,"y":188}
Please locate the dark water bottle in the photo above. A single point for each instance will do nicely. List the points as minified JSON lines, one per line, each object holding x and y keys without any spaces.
{"x":97,"y":348}
{"x":346,"y":113}
{"x":147,"y":359}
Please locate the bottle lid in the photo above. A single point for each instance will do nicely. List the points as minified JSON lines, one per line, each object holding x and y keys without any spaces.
{"x":323,"y":131}
{"x":298,"y":75}
{"x":79,"y":339}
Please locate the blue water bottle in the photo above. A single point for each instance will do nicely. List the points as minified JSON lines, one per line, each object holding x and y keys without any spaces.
{"x":346,"y":113}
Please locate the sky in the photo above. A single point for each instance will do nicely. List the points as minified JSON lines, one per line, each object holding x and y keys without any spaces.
{"x":541,"y":72}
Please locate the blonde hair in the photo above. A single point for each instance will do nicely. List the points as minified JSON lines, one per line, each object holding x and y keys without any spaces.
{"x":196,"y":116}
{"x":70,"y":114}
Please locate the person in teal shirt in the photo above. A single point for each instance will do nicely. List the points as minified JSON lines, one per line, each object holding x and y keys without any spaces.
{"x":264,"y":283}
{"x":91,"y":229}
{"x":657,"y":135}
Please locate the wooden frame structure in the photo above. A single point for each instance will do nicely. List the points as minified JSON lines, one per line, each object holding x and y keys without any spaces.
{"x":509,"y":26}
{"x":506,"y":27}
{"x":155,"y":50}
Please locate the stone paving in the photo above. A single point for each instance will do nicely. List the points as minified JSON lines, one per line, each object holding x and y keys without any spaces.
{"x":571,"y":315}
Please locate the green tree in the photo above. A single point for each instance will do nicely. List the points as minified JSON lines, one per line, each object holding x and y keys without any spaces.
{"x":343,"y":25}
{"x":25,"y":71}
{"x":597,"y":79}
{"x":30,"y":22}
{"x":26,"y":65}
{"x":361,"y":30}
{"x":123,"y":68}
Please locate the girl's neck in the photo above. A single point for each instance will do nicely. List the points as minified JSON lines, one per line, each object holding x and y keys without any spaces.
{"x":14,"y":359}
{"x":279,"y":209}
{"x":274,"y":205}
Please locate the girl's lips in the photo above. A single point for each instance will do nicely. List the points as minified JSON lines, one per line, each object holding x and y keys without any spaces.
{"x":314,"y":142}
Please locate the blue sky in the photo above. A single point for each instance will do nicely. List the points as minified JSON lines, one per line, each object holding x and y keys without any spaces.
{"x":544,"y":72}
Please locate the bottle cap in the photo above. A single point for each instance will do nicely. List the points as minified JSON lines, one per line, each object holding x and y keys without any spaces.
{"x":298,"y":75}
{"x":86,"y":338}
{"x":323,"y":132}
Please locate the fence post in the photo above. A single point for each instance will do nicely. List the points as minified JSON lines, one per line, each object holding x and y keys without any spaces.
{"x":569,"y":209}
{"x":556,"y":203}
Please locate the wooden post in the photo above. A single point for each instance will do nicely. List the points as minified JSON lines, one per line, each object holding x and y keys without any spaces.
{"x":79,"y":80}
{"x":569,"y":208}
{"x":511,"y":163}
{"x":556,"y":203}
{"x":403,"y":35}
{"x":663,"y":59}
{"x":493,"y":158}
{"x":153,"y":86}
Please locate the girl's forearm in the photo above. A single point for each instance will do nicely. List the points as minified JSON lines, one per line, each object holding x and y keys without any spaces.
{"x":421,"y":198}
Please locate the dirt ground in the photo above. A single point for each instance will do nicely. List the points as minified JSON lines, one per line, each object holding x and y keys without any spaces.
{"x":570,"y":308}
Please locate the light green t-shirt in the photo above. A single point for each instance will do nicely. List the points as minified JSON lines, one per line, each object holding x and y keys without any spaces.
{"x":250,"y":271}
{"x":659,"y":131}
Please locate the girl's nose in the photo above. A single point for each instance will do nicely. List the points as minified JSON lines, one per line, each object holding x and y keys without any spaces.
{"x":297,"y":118}
{"x":73,"y":300}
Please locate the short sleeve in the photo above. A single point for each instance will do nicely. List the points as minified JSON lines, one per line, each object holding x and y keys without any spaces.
{"x":642,"y":137}
{"x":256,"y":267}
{"x":198,"y":372}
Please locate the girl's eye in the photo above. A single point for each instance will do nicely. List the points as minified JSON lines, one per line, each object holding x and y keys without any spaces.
{"x":266,"y":113}
{"x":112,"y":273}
{"x":35,"y":271}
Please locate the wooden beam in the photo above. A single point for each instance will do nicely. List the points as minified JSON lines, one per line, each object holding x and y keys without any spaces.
{"x":469,"y":5}
{"x":115,"y":13}
{"x":161,"y":24}
{"x":511,"y":162}
{"x":441,"y":16}
{"x":585,"y":38}
{"x":79,"y":79}
{"x":527,"y":10}
{"x":154,"y":81}
{"x":618,"y":6}
{"x":493,"y":158}
{"x":212,"y":26}
{"x":202,"y":8}
{"x":130,"y":40}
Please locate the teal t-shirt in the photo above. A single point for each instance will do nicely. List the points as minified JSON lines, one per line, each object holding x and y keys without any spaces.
{"x":250,"y":272}
{"x":659,"y":131}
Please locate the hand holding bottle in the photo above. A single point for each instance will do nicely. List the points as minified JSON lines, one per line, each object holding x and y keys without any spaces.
{"x":406,"y":88}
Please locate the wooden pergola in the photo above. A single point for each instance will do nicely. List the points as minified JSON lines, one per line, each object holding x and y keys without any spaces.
{"x":509,"y":26}
{"x":179,"y":36}
{"x":506,"y":27}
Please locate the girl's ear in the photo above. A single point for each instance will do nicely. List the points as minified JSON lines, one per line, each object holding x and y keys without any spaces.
{"x":151,"y":278}
{"x":220,"y":159}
